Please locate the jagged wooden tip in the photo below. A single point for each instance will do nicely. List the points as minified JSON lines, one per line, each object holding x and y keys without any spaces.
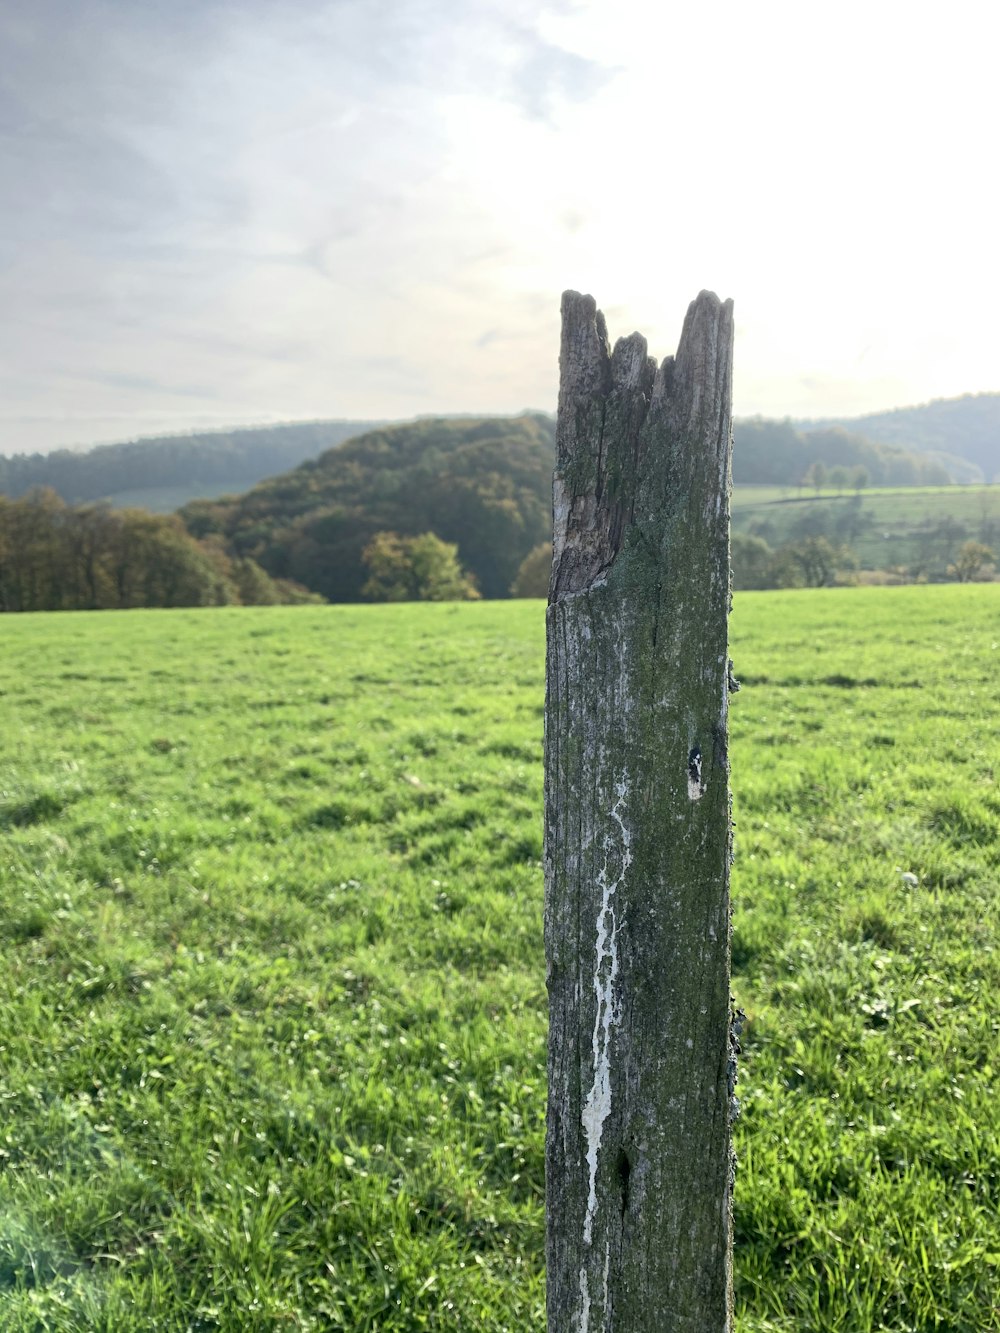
{"x":619,"y":415}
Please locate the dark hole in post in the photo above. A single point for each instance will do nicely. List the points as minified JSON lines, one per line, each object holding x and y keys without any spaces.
{"x":624,"y":1171}
{"x":694,"y":771}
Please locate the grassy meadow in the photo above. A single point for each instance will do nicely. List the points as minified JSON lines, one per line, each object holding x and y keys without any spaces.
{"x":272,"y":1006}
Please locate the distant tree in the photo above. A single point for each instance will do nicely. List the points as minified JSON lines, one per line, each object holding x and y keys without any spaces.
{"x":815,"y":520}
{"x":415,"y":569}
{"x":860,"y":477}
{"x":840,"y":478}
{"x":169,"y":568}
{"x":934,"y":473}
{"x":36,"y":568}
{"x":532,"y":579}
{"x":974,"y":561}
{"x":89,"y":533}
{"x":255,"y":587}
{"x":813,"y":562}
{"x":752,"y":561}
{"x":294,"y":594}
{"x":816,"y":476}
{"x":903,"y":470}
{"x":764,"y":528}
{"x":853,"y":520}
{"x":948,"y":532}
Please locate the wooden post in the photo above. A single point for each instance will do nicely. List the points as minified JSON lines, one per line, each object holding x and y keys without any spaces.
{"x":637,"y":833}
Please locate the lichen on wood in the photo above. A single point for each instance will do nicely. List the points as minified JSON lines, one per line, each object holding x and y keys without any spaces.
{"x":637,"y":832}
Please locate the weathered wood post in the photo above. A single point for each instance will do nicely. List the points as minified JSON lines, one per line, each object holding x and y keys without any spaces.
{"x":637,"y":832}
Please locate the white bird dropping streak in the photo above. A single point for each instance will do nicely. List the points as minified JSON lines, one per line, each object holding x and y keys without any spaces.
{"x":597,"y":1106}
{"x":584,"y":1325}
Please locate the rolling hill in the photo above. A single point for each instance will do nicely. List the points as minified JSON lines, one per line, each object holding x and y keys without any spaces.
{"x":954,"y":439}
{"x":966,"y":427}
{"x":483,"y":483}
{"x":165,"y":472}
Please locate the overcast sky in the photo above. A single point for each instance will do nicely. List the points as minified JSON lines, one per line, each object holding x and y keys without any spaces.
{"x":231,"y":211}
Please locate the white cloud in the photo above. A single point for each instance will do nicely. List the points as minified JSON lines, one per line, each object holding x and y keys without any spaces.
{"x":242,"y":211}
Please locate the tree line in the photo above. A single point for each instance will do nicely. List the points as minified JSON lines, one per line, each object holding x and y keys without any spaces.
{"x":416,"y":510}
{"x":819,"y":562}
{"x":59,"y":557}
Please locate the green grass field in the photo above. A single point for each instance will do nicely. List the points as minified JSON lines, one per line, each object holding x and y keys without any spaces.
{"x":272,"y":1029}
{"x":165,"y":499}
{"x":914,"y":526}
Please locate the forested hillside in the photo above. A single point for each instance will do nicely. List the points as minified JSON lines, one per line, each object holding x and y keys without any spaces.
{"x":968,"y":427}
{"x":165,"y":472}
{"x":484,"y":484}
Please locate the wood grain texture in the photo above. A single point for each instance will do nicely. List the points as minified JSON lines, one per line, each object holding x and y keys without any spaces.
{"x":637,"y":832}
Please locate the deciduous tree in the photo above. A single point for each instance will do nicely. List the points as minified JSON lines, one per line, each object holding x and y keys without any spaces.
{"x":533,"y":577}
{"x":415,"y":569}
{"x":973,"y":561}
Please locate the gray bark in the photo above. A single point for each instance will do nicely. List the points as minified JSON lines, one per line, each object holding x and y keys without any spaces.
{"x":637,"y":833}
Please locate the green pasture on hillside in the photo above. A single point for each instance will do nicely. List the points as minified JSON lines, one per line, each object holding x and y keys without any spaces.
{"x":272,"y":1005}
{"x":914,"y":527}
{"x":165,"y":499}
